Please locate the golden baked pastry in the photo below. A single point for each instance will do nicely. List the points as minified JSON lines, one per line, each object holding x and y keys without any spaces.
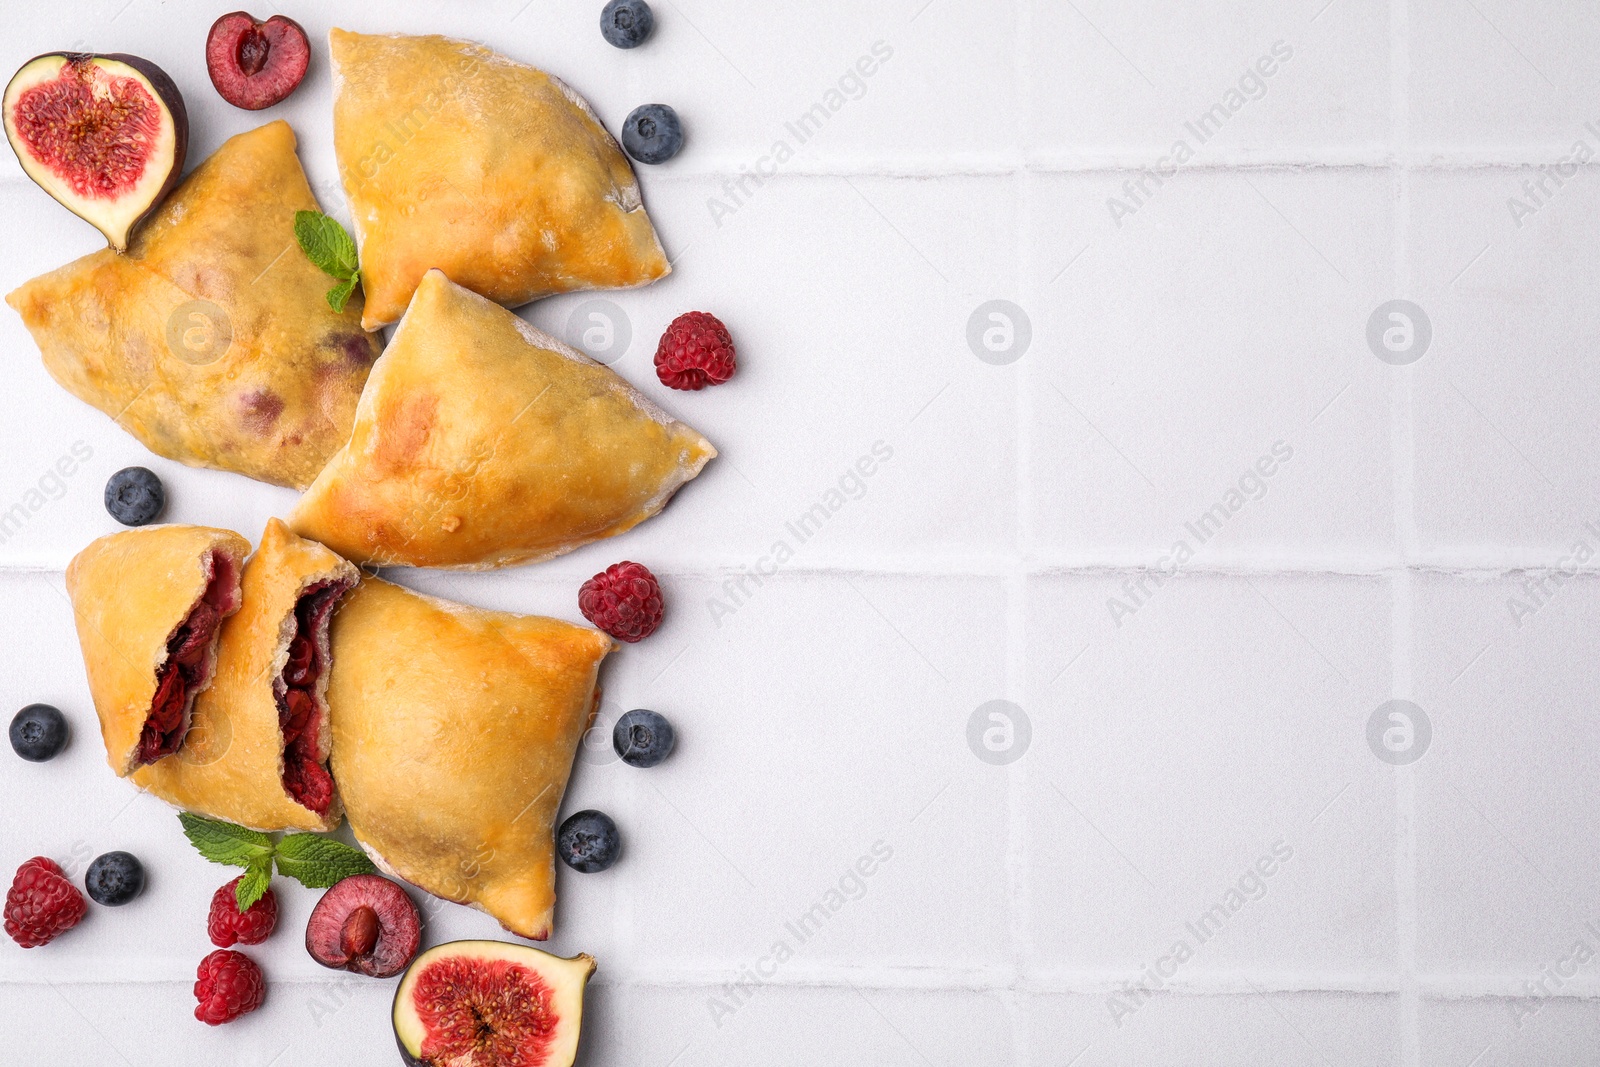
{"x":211,"y":340}
{"x":482,"y":442}
{"x":149,"y":604}
{"x":258,"y":741}
{"x":459,"y":158}
{"x":454,"y":730}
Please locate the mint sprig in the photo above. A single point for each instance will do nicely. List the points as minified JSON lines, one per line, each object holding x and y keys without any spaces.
{"x":326,"y":244}
{"x":317,"y":861}
{"x":223,"y":842}
{"x":311,"y":859}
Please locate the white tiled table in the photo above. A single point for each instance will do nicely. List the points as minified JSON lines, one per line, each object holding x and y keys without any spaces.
{"x":1173,"y":747}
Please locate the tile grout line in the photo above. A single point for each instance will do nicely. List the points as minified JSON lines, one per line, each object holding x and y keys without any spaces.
{"x":1087,"y":162}
{"x":1019,"y":911}
{"x":622,"y":912}
{"x":1403,"y":438}
{"x":912,"y":978}
{"x":1035,"y":566}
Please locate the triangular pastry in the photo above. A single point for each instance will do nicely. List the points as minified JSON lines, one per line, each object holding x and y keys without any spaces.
{"x":258,"y":741}
{"x":211,"y":339}
{"x":149,"y":605}
{"x":459,"y":158}
{"x":454,"y":730}
{"x":482,"y":442}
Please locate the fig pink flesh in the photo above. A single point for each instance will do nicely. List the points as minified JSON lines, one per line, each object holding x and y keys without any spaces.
{"x":469,"y":1004}
{"x":95,"y":131}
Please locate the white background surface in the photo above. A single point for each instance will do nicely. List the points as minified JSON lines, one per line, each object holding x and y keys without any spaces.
{"x":830,"y":710}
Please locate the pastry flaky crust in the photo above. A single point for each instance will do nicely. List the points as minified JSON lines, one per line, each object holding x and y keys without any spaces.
{"x":211,"y":339}
{"x":231,"y":763}
{"x":130,"y":592}
{"x":482,"y":442}
{"x":456,"y":157}
{"x":454,"y":730}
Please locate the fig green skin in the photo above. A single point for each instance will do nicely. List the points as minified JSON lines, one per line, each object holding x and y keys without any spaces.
{"x":166,"y":91}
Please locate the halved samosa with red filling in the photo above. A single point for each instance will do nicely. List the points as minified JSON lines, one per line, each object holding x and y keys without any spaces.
{"x":257,"y":749}
{"x":454,"y":730}
{"x":149,"y":605}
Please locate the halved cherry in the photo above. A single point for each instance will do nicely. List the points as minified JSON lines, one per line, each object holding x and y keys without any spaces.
{"x":256,"y":64}
{"x":364,"y":924}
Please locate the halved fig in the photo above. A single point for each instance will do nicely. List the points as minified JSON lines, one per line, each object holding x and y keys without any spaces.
{"x":365,"y":924}
{"x":191,"y":659}
{"x":490,"y":1004}
{"x":105,"y":135}
{"x":301,"y":690}
{"x":256,"y":64}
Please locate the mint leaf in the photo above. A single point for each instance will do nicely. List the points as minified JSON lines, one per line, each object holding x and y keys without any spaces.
{"x":312,"y":859}
{"x":339,"y":295}
{"x":254,"y":884}
{"x":326,"y":244}
{"x":223,"y":842}
{"x":318,"y":861}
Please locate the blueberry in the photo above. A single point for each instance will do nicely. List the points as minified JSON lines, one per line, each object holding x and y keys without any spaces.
{"x":588,"y":841}
{"x":114,"y":878}
{"x":652,"y":134}
{"x":39,"y":733}
{"x":134,"y":496}
{"x":642,"y":738}
{"x":626,"y":23}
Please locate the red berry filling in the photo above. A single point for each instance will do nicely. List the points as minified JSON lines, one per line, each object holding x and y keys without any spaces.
{"x":189,"y":661}
{"x":302,"y":715}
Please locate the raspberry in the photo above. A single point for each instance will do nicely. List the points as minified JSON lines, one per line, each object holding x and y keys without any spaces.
{"x":227,"y":926}
{"x":42,"y":904}
{"x":695,"y":352}
{"x":624,"y":600}
{"x":227,"y":985}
